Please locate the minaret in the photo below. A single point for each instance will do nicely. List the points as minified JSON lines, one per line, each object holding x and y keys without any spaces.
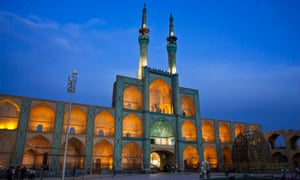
{"x":143,"y":42}
{"x":171,"y":47}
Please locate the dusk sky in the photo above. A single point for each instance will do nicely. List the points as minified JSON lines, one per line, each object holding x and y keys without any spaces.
{"x":242,"y":56}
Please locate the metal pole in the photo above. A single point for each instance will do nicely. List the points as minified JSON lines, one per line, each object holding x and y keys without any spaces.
{"x":71,"y":89}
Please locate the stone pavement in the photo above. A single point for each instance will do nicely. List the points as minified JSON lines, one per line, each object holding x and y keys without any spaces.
{"x":155,"y":176}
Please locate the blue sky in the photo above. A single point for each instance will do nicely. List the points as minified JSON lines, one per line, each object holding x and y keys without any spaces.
{"x":242,"y":56}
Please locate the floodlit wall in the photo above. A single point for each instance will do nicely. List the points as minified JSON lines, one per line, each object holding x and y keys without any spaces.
{"x":93,"y":134}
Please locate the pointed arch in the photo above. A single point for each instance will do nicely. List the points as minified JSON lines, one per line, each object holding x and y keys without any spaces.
{"x":239,"y":128}
{"x":77,"y":120}
{"x":162,"y":132}
{"x":210,"y":155}
{"x":103,"y":155}
{"x":9,"y":114}
{"x":187,"y":106}
{"x":75,"y":153}
{"x":131,"y":156}
{"x":35,"y":150}
{"x":6,"y":149}
{"x":105,"y":123}
{"x":188,"y":130}
{"x":43,"y":116}
{"x":227,"y":155}
{"x":224,"y":133}
{"x":132,"y":98}
{"x":160,"y":97}
{"x":208,"y":131}
{"x":190,"y":156}
{"x":132,"y":126}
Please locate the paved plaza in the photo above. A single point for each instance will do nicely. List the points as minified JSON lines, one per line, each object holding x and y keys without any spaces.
{"x":156,"y":176}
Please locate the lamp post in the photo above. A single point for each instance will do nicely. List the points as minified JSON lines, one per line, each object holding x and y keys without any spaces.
{"x":71,"y":90}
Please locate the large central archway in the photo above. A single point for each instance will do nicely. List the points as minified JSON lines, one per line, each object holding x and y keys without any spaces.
{"x":162,"y":139}
{"x":162,"y":133}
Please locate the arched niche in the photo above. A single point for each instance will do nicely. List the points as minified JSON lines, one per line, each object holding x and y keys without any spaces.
{"x":162,"y":132}
{"x":239,"y":128}
{"x":160,"y":97}
{"x":6,"y":150}
{"x":41,"y":118}
{"x":132,"y":126}
{"x":104,"y":124}
{"x":208,"y":132}
{"x":224,"y":133}
{"x":132,"y":98}
{"x":77,"y":121}
{"x":103,"y":155}
{"x":227,"y":155}
{"x":190,"y":156}
{"x":276,"y":141}
{"x":75,"y":154}
{"x":188,"y":130}
{"x":9,"y":114}
{"x":36,"y":152}
{"x":187,"y":106}
{"x":131,"y":156}
{"x":210,"y":155}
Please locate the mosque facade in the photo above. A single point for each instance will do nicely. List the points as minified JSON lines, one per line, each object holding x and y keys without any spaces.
{"x":153,"y":124}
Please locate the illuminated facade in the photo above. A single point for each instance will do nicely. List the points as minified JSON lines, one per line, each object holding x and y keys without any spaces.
{"x":153,"y":122}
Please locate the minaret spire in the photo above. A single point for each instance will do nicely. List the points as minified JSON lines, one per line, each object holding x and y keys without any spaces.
{"x":171,"y":47}
{"x":143,"y":42}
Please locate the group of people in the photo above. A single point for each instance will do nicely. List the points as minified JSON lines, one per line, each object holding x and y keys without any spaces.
{"x":204,"y":169}
{"x":20,"y":173}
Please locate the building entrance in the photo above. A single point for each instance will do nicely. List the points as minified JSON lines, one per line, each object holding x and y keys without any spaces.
{"x":163,"y":161}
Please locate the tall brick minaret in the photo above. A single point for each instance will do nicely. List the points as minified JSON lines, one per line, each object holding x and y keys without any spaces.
{"x":171,"y":48}
{"x":143,"y":42}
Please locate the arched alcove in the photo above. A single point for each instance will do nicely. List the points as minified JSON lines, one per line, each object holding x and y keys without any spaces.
{"x":190,"y":157}
{"x":208,"y":132}
{"x":161,"y":132}
{"x":227,"y":155}
{"x":103,"y":155}
{"x":187,"y":106}
{"x":36,"y":152}
{"x":132,"y":98}
{"x":239,"y":128}
{"x":41,"y":118}
{"x":131,"y":156}
{"x":210,"y":155}
{"x":9,"y":114}
{"x":104,"y":124}
{"x":276,"y":141}
{"x":224,"y":133}
{"x":188,"y":130}
{"x":77,"y":120}
{"x":132,"y":126}
{"x":75,"y":154}
{"x":6,"y":149}
{"x":160,"y":97}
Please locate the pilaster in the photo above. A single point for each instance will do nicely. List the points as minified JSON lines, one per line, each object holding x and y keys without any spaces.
{"x":56,"y":144}
{"x":118,"y":128}
{"x":218,"y":145}
{"x":21,"y":134}
{"x":89,"y":138}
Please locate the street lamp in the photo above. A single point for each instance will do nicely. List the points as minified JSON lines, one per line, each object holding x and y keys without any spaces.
{"x":71,"y":90}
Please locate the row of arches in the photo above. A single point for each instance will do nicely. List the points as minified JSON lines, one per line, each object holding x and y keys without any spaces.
{"x":160,"y":99}
{"x":277,"y":141}
{"x":38,"y":152}
{"x":42,"y":118}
